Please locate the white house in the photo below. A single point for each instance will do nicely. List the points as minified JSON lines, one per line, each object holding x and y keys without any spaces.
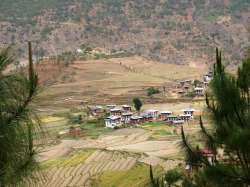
{"x":127,"y":108}
{"x":186,"y":117}
{"x":113,"y":121}
{"x":152,"y":113}
{"x":208,"y":77}
{"x":136,"y":119}
{"x":199,"y":91}
{"x":79,"y":50}
{"x":171,"y":118}
{"x":110,"y":106}
{"x":116,"y":112}
{"x":126,"y":117}
{"x":189,"y":111}
{"x":178,"y":121}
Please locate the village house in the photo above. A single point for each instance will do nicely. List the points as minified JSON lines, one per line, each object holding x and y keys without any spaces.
{"x":207,"y":77}
{"x":178,"y":121}
{"x":209,"y":154}
{"x":75,"y":131}
{"x":152,"y":113}
{"x":199,"y":91}
{"x":165,"y":114}
{"x":126,"y":117}
{"x":136,"y":120}
{"x":126,"y":108}
{"x":205,"y":83}
{"x":146,"y":117}
{"x":182,"y":83}
{"x":181,"y":92}
{"x":96,"y":110}
{"x":113,"y":121}
{"x":110,"y":106}
{"x":185,"y":117}
{"x":188,"y":81}
{"x":189,"y":111}
{"x":116,"y":112}
{"x":186,"y":87}
{"x":171,"y":118}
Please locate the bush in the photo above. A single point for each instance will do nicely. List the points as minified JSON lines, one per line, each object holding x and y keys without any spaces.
{"x":116,"y":127}
{"x":151,"y":91}
{"x":76,"y":119}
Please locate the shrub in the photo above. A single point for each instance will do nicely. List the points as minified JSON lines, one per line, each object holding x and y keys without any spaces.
{"x":151,"y":91}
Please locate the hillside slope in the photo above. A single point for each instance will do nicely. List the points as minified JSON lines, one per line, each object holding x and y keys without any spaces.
{"x":171,"y":31}
{"x":115,"y":80}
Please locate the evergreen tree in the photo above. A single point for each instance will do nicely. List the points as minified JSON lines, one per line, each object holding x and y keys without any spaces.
{"x":137,"y":104}
{"x":172,"y":177}
{"x":229,"y":139}
{"x":16,"y":125}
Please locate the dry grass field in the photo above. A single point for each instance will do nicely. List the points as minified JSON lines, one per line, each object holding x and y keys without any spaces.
{"x":109,"y":80}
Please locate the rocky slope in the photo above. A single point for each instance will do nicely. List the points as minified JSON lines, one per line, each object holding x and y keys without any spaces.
{"x":171,"y":31}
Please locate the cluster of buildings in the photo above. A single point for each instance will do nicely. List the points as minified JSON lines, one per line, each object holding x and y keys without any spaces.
{"x":124,"y":115}
{"x":197,"y":88}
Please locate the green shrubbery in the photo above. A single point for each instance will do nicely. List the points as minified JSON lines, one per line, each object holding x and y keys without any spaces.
{"x":151,"y":91}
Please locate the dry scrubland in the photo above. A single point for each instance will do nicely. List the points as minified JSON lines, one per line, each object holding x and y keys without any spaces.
{"x":104,"y":157}
{"x":110,"y":80}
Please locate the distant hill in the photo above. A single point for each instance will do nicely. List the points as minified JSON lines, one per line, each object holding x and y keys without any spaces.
{"x":170,"y":31}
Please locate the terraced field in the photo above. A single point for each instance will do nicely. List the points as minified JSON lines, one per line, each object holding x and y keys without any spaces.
{"x":82,"y":174}
{"x":108,"y":81}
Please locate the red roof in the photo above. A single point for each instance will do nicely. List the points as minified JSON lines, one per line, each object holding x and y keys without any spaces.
{"x":207,"y":152}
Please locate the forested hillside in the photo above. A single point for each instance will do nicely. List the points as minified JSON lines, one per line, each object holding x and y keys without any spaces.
{"x":171,"y":31}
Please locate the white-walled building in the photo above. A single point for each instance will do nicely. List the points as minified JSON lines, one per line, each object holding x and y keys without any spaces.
{"x":189,"y":111}
{"x":113,"y":121}
{"x":126,"y":117}
{"x":116,"y":112}
{"x":199,"y":91}
{"x":126,"y":108}
{"x":153,"y":113}
{"x":185,"y":117}
{"x":178,"y":122}
{"x":111,"y":106}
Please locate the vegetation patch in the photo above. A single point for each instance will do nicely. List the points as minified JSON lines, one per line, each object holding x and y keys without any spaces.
{"x":160,"y":131}
{"x":94,"y":129}
{"x":153,"y":125}
{"x":51,"y":119}
{"x":152,"y":90}
{"x":73,"y":159}
{"x":138,"y":176}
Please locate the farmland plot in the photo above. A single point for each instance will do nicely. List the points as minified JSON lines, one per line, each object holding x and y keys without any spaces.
{"x":81,"y":174}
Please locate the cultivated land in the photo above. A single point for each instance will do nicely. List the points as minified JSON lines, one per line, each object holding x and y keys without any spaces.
{"x":107,"y":157}
{"x":108,"y":81}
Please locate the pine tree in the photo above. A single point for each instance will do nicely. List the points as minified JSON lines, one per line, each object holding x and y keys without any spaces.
{"x":137,"y":104}
{"x":229,"y":139}
{"x":16,"y":125}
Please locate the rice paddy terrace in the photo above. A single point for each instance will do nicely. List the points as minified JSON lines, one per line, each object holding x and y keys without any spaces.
{"x":81,"y":174}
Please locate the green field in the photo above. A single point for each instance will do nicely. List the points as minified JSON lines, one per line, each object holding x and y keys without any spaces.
{"x":160,"y":130}
{"x":72,"y":159}
{"x":138,"y":176}
{"x":93,"y":129}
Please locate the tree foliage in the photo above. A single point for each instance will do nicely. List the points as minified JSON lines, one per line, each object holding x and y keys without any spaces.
{"x":170,"y":178}
{"x":137,"y":104}
{"x":229,"y":139}
{"x":152,"y":90}
{"x":16,"y":125}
